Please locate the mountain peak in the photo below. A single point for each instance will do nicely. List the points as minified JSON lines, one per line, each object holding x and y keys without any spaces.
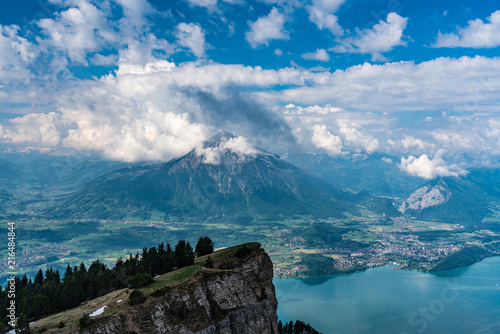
{"x":216,"y":140}
{"x":433,"y":193}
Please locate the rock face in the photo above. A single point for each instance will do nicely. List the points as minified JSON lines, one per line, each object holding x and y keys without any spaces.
{"x":427,"y":196}
{"x":236,"y":297}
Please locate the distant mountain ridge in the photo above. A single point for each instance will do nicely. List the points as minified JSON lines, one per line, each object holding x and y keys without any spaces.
{"x":37,"y":169}
{"x":238,"y":187}
{"x":464,"y":200}
{"x":376,"y":173}
{"x":431,"y":194}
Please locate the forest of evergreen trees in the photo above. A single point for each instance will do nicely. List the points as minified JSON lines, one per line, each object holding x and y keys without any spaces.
{"x":298,"y":327}
{"x":49,"y":292}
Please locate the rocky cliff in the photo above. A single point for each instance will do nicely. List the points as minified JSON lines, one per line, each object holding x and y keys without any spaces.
{"x":236,"y":296}
{"x":431,"y":194}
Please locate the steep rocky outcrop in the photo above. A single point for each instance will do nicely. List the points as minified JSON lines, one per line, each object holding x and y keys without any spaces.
{"x":431,"y":194}
{"x":237,"y":296}
{"x":465,"y":200}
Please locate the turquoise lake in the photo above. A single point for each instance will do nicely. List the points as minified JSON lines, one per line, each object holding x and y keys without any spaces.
{"x":384,"y":300}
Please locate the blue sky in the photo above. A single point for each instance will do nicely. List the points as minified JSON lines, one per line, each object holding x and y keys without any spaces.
{"x":138,"y":80}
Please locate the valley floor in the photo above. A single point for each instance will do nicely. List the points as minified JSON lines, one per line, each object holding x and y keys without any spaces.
{"x":352,"y":244}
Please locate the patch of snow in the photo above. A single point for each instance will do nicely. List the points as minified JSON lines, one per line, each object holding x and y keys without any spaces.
{"x":118,"y":301}
{"x":98,"y":312}
{"x":157,"y":276}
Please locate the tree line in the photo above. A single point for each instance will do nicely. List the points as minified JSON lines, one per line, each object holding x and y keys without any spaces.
{"x":48,"y":292}
{"x":298,"y":327}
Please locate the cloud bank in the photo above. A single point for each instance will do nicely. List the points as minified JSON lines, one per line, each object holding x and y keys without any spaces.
{"x":162,"y":93}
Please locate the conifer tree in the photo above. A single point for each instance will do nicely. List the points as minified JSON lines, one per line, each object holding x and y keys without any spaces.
{"x":204,"y":246}
{"x":181,"y":254}
{"x":189,"y":254}
{"x":22,"y":324}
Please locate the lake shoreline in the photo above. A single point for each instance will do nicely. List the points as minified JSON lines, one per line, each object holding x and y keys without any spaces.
{"x":384,"y":300}
{"x":421,"y":270}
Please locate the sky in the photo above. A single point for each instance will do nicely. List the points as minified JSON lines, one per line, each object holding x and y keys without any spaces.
{"x":138,"y":80}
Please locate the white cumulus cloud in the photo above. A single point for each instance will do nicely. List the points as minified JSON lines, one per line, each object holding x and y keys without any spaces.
{"x":16,"y":54}
{"x":452,"y":139}
{"x":383,"y":37}
{"x":292,"y":109}
{"x":239,"y":145}
{"x":478,"y":34}
{"x":324,"y":139}
{"x":319,"y":54}
{"x":429,"y":168}
{"x":358,"y":138}
{"x":191,"y":36}
{"x":36,"y":129}
{"x":77,"y":31}
{"x":411,"y":142}
{"x":322,"y":13}
{"x":267,"y":28}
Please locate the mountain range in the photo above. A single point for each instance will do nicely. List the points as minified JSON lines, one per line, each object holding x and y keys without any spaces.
{"x":219,"y":180}
{"x":233,"y":186}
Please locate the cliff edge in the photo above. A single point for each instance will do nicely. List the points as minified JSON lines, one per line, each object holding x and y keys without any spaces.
{"x":236,"y":296}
